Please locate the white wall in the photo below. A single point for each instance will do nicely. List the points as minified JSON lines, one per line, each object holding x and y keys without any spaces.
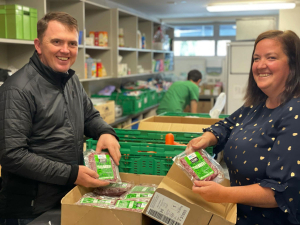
{"x":183,"y":64}
{"x":289,"y":19}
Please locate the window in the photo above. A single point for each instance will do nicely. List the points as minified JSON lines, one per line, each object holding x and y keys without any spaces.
{"x":194,"y":48}
{"x":222,"y":47}
{"x":195,"y":31}
{"x":227,"y":30}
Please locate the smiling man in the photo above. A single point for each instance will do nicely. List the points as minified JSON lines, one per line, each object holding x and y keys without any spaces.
{"x":44,"y":116}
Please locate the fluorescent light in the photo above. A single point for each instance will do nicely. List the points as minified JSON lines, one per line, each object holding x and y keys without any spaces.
{"x":247,"y":6}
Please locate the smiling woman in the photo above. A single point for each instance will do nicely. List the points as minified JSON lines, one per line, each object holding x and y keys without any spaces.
{"x":260,"y":139}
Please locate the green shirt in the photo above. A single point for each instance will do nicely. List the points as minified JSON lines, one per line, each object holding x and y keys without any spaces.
{"x":178,"y":96}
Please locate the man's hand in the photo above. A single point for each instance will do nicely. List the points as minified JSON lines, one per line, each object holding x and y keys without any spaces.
{"x":89,"y":178}
{"x":210,"y":191}
{"x":108,"y":141}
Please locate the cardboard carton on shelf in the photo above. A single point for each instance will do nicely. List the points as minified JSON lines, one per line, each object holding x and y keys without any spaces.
{"x":172,"y":202}
{"x":107,"y":111}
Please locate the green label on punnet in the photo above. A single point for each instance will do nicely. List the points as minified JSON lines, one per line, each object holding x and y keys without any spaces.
{"x":130,"y":204}
{"x":199,"y":166}
{"x":117,"y":185}
{"x":105,"y":201}
{"x":89,"y":200}
{"x":104,"y":168}
{"x":138,"y":195}
{"x":143,"y":189}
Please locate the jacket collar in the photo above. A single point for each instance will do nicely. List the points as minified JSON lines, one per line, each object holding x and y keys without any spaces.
{"x":56,"y":78}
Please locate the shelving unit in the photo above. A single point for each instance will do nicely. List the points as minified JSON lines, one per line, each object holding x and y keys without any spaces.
{"x":92,"y":16}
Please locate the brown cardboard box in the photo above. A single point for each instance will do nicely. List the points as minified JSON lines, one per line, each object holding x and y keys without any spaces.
{"x":174,"y":190}
{"x":72,"y":214}
{"x":176,"y":123}
{"x":107,"y":111}
{"x":203,"y":106}
{"x":174,"y":195}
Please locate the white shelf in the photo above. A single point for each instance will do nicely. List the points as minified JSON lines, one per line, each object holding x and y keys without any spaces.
{"x":144,"y":50}
{"x":140,"y":74}
{"x":127,"y":49}
{"x":95,"y":79}
{"x":162,"y":51}
{"x":80,"y":46}
{"x":15,"y":41}
{"x":97,"y":47}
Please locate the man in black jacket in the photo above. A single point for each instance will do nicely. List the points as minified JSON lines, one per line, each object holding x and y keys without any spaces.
{"x":44,"y":114}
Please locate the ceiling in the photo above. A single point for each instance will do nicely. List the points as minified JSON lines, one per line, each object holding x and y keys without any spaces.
{"x":167,"y":9}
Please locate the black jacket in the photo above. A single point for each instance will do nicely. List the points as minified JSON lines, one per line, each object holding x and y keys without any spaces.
{"x":44,"y":116}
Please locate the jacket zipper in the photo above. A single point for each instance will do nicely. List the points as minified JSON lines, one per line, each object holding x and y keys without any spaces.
{"x":75,"y":139}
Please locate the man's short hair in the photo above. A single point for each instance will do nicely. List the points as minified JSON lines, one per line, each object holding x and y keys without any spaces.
{"x":62,"y":17}
{"x":194,"y":75}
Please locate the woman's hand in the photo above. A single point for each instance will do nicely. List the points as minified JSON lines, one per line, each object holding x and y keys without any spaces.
{"x":210,"y":191}
{"x":202,"y":142}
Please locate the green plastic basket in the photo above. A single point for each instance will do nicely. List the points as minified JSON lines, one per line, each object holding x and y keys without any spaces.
{"x":129,"y":104}
{"x":152,"y":97}
{"x":145,"y":158}
{"x":154,"y":136}
{"x":202,"y":115}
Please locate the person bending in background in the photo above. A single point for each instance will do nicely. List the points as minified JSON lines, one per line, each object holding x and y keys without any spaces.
{"x":261,"y":139}
{"x":182,"y":93}
{"x":44,"y":116}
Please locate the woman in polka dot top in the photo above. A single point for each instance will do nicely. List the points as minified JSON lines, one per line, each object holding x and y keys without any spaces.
{"x":261,"y":140}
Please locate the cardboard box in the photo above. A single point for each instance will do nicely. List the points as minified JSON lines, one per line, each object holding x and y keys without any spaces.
{"x":174,"y":190}
{"x":107,"y":111}
{"x":203,"y":106}
{"x":176,"y":123}
{"x":175,"y":200}
{"x":72,"y":214}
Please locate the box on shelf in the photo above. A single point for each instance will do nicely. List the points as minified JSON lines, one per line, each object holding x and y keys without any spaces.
{"x":14,"y":21}
{"x":122,"y":69}
{"x":33,"y":23}
{"x":3,"y":22}
{"x":158,"y":45}
{"x":26,"y":23}
{"x":174,"y":190}
{"x":107,"y":111}
{"x":175,"y":123}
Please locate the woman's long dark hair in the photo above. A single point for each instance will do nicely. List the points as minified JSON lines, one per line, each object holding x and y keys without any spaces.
{"x":290,"y":43}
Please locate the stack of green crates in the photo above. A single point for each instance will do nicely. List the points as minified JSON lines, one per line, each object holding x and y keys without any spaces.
{"x":160,"y":95}
{"x":144,"y":152}
{"x":18,"y":22}
{"x":152,"y":97}
{"x":202,"y":115}
{"x":129,"y":104}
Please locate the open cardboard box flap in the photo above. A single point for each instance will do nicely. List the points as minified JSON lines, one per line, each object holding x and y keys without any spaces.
{"x":176,"y":123}
{"x":177,"y":186}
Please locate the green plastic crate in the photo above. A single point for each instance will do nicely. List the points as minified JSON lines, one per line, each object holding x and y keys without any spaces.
{"x":14,"y":21}
{"x":26,"y":23}
{"x":154,"y":136}
{"x":140,"y":157}
{"x":160,"y":95}
{"x":152,"y":97}
{"x":203,"y":115}
{"x":3,"y":22}
{"x":130,"y":104}
{"x":143,"y":158}
{"x":33,"y":23}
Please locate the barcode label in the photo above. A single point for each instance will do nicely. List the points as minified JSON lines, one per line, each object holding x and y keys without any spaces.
{"x":163,"y":218}
{"x":166,"y":210}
